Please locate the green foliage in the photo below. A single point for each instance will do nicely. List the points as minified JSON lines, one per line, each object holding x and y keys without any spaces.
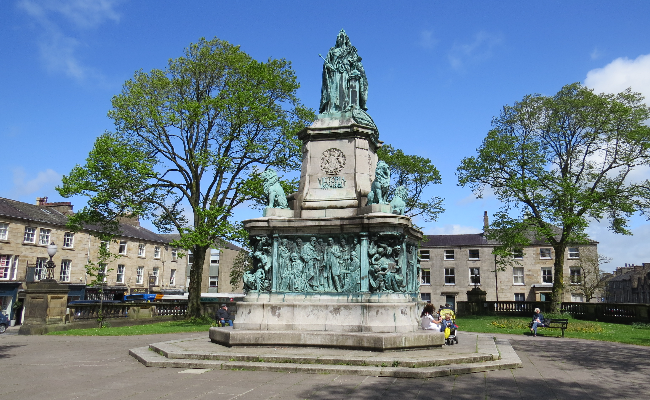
{"x":558,"y":162}
{"x":190,"y":141}
{"x":416,"y":174}
{"x":640,"y":325}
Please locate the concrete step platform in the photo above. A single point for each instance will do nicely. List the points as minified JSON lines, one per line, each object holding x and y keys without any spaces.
{"x":474,"y":353}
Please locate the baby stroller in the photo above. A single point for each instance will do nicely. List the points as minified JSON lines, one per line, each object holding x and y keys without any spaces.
{"x":448,"y":326}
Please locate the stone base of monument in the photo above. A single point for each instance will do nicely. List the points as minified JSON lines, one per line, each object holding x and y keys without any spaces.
{"x":374,"y":208}
{"x":372,"y":341}
{"x":278,"y":212}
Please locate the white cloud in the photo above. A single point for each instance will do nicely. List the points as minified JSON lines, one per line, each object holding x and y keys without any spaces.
{"x":478,"y":50}
{"x":595,"y":53}
{"x":621,"y":248}
{"x":58,"y":49}
{"x":621,"y":74}
{"x":427,"y":40}
{"x":44,"y":180}
{"x":453,"y":229}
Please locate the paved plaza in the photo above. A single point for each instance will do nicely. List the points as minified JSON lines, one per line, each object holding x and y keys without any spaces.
{"x":68,"y":367}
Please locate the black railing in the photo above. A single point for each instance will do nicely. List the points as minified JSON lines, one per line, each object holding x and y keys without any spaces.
{"x":121,"y":310}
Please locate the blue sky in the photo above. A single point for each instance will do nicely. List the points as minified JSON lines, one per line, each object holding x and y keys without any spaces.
{"x":438,"y":72}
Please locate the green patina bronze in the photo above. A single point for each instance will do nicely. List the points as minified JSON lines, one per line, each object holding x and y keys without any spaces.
{"x":344,"y":91}
{"x":379,"y":188}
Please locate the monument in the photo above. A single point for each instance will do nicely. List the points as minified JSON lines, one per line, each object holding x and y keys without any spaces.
{"x":336,"y":263}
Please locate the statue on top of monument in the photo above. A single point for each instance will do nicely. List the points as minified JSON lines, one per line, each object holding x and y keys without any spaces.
{"x":345,"y":86}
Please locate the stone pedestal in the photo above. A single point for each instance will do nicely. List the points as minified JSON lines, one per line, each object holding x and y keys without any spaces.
{"x":45,"y":304}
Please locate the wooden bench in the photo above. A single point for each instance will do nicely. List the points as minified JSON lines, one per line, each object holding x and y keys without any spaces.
{"x":553,"y":324}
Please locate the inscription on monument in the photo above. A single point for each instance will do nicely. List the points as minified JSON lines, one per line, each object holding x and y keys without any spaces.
{"x":331,"y":182}
{"x":332,"y":161}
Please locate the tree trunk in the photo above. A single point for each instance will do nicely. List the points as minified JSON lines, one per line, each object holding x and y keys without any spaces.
{"x":557,"y":295}
{"x":194,"y":309}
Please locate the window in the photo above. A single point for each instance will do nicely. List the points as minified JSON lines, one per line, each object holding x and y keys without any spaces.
{"x":30,"y":235}
{"x":547,"y":275}
{"x":426,"y":276}
{"x":139,"y":275}
{"x":156,"y":252}
{"x":577,"y":298}
{"x":574,"y":252}
{"x":174,"y":254}
{"x":104,"y":245}
{"x":190,"y":258}
{"x":545,"y":253}
{"x":426,"y":297}
{"x":120,"y":274}
{"x":576,"y":275}
{"x":65,"y":271}
{"x":450,"y":276}
{"x":520,"y":297}
{"x":4,"y":231}
{"x":474,"y":254}
{"x":5,"y":266}
{"x":68,"y":239}
{"x":518,"y":275}
{"x":122,"y":248}
{"x":40,"y":271}
{"x":424,"y":255}
{"x":155,"y":275}
{"x":44,"y":236}
{"x":172,"y":278}
{"x":475,"y":276}
{"x":518,"y":254}
{"x":449,"y":254}
{"x":141,"y":250}
{"x":213,"y":281}
{"x":103,"y":271}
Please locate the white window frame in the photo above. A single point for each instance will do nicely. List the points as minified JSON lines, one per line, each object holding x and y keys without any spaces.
{"x":449,"y":255}
{"x":545,"y":253}
{"x":172,"y":277}
{"x":574,"y":253}
{"x":450,"y":275}
{"x":426,"y":277}
{"x":44,"y":235}
{"x":469,"y":254}
{"x":518,"y":275}
{"x":122,"y":249}
{"x":4,"y":231}
{"x":155,"y":273}
{"x":572,"y":276}
{"x":213,"y":279}
{"x":40,"y":272}
{"x":30,"y":235}
{"x":139,"y":275}
{"x":68,"y":240}
{"x":518,"y":254}
{"x":120,"y":273}
{"x":425,"y":255}
{"x":425,"y":297}
{"x":471,"y":274}
{"x":550,"y":273}
{"x":174,"y":254}
{"x":141,"y":249}
{"x":156,"y":252}
{"x":66,"y":267}
{"x":103,"y":272}
{"x":5,"y":267}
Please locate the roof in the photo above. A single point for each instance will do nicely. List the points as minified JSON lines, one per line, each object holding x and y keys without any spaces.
{"x":472,"y":239}
{"x":47,"y":215}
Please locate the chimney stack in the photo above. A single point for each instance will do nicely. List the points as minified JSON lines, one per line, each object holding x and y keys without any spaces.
{"x":486,"y":223}
{"x":40,"y":201}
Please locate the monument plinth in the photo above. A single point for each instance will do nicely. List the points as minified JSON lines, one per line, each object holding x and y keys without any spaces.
{"x":337,"y":257}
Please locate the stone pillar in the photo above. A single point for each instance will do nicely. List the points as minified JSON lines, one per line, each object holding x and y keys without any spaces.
{"x":275,"y":262}
{"x":45,"y":304}
{"x":364,"y":262}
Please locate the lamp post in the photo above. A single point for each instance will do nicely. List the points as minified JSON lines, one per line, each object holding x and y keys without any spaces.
{"x":51,"y":251}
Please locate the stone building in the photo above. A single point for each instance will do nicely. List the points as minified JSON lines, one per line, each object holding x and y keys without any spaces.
{"x":453,"y":264}
{"x":629,"y":284}
{"x":144,"y":261}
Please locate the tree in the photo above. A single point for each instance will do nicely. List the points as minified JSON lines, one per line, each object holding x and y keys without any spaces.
{"x":591,"y":279}
{"x":416,"y":174}
{"x":188,"y":144}
{"x":559,"y":162}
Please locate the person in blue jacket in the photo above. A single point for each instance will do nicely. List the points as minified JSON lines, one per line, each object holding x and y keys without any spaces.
{"x":538,"y":320}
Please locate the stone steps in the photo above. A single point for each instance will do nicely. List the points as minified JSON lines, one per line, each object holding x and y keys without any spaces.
{"x":483,"y":353}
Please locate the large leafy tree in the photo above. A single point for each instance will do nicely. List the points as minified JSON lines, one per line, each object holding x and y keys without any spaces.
{"x":188,"y":146}
{"x":416,"y":173}
{"x":557,"y":162}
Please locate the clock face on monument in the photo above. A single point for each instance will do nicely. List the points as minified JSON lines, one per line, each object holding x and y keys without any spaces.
{"x":332,"y":161}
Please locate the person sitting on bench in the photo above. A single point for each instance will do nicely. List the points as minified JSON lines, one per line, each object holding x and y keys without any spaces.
{"x":538,"y":320}
{"x":223,"y":316}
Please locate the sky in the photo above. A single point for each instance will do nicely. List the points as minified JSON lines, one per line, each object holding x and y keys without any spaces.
{"x":438,"y":72}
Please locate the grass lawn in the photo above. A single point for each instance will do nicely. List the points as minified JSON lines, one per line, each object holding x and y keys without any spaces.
{"x":148,"y":329}
{"x":592,"y":330}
